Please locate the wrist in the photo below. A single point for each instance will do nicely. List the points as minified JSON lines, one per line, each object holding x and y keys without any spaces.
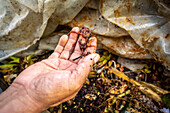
{"x":16,"y":100}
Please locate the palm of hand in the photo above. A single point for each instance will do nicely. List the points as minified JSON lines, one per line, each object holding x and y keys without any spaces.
{"x":58,"y":78}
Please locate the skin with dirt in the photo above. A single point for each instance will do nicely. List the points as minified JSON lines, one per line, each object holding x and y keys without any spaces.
{"x":86,"y":33}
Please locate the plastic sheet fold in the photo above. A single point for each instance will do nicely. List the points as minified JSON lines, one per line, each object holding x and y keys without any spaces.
{"x":146,"y":21}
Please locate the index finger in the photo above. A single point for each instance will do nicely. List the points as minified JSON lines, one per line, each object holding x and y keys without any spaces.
{"x":58,"y":50}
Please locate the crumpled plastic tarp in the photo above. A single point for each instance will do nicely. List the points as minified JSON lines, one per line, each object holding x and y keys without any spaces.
{"x":133,"y":29}
{"x":124,"y":46}
{"x":23,"y":22}
{"x":46,"y":44}
{"x":93,"y":20}
{"x":147,"y":22}
{"x":132,"y":64}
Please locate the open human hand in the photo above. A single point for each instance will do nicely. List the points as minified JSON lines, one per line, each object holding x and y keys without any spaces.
{"x":58,"y":78}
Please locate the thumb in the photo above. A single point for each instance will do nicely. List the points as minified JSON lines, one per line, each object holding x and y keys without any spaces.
{"x":84,"y":67}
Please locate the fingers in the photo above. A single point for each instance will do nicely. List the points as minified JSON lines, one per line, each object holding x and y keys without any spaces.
{"x":91,"y":45}
{"x":69,"y":47}
{"x":60,"y":47}
{"x":84,"y":67}
{"x":77,"y":52}
{"x":91,"y":48}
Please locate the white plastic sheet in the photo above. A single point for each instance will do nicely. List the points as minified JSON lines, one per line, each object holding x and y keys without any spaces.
{"x":23,"y":22}
{"x":47,"y":43}
{"x":147,"y":21}
{"x":93,"y":20}
{"x":124,"y":46}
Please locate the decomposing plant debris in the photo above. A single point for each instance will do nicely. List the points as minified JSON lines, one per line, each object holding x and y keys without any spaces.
{"x":109,"y":88}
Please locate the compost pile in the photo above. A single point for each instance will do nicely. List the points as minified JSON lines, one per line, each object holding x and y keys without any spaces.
{"x":133,"y":74}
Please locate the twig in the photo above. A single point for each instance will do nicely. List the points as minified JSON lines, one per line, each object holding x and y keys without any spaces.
{"x":147,"y":91}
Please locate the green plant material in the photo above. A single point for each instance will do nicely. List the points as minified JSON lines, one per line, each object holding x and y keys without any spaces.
{"x":10,"y":66}
{"x":14,"y":60}
{"x":104,"y":61}
{"x":124,"y":94}
{"x":166,"y":99}
{"x":114,"y":100}
{"x":106,"y":110}
{"x":82,"y":110}
{"x":108,"y":57}
{"x":29,"y":59}
{"x":147,"y":71}
{"x":102,"y":58}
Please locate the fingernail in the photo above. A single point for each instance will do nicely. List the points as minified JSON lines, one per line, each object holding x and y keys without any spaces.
{"x":76,"y":29}
{"x":96,"y":58}
{"x":65,"y":39}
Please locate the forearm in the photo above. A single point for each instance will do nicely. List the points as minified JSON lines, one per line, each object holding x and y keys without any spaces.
{"x":16,"y":100}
